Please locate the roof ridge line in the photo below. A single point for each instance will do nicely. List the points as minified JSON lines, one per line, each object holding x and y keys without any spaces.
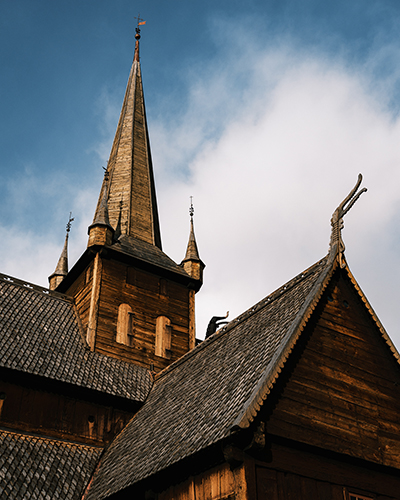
{"x":266,"y":382}
{"x":35,"y":288}
{"x":247,"y":314}
{"x":34,"y":435}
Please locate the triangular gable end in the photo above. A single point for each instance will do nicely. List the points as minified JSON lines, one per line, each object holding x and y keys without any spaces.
{"x":338,"y":389}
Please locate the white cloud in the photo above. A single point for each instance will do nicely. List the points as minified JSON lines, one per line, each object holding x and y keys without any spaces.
{"x":290,"y":133}
{"x":265,"y":190}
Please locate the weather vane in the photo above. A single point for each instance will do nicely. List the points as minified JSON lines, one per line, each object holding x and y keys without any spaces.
{"x":69,"y":222}
{"x":140,"y":22}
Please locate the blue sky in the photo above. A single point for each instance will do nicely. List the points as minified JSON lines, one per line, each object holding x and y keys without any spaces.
{"x":264,"y":111}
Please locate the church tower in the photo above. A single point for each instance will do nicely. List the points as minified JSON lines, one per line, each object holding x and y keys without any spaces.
{"x":134,"y":302}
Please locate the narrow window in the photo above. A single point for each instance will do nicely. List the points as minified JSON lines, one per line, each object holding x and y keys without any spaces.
{"x":163,"y":286}
{"x":131,"y":276}
{"x":163,"y":337}
{"x":125,"y":324}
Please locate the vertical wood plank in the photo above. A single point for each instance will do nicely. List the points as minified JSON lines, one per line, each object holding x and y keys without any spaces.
{"x":94,"y":303}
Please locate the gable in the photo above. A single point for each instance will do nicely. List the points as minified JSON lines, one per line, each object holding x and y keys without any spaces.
{"x":343,"y":390}
{"x":196,"y":401}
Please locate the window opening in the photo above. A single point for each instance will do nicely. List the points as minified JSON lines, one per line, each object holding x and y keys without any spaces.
{"x":163,"y":337}
{"x":163,"y":286}
{"x":125,"y":324}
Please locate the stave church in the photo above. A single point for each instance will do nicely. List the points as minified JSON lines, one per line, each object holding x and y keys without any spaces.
{"x":105,"y":392}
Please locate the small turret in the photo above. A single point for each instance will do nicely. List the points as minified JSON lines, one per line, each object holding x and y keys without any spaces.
{"x":100,"y":231}
{"x":62,"y":266}
{"x":192,"y":263}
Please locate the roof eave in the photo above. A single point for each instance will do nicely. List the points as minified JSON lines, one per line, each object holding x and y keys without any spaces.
{"x":267,"y":381}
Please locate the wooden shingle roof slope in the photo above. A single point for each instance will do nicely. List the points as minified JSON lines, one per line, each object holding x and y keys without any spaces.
{"x":44,"y":469}
{"x":131,"y":199}
{"x":39,"y":335}
{"x":219,"y":387}
{"x":204,"y":396}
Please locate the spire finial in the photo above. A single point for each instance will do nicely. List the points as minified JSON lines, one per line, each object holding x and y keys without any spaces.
{"x":62,"y":265}
{"x":337,"y":219}
{"x":140,"y":22}
{"x":70,"y":220}
{"x":191,"y":209}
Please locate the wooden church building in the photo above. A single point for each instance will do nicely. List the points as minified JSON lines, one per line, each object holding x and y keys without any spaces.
{"x":105,"y":393}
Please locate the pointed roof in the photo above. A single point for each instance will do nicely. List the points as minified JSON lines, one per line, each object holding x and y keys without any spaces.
{"x":101,"y":215}
{"x":192,"y":252}
{"x":130,"y":169}
{"x":62,"y":264}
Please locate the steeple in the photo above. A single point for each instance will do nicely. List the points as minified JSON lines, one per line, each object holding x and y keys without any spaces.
{"x":100,"y":231}
{"x":192,"y":263}
{"x":134,"y":302}
{"x":62,"y":265}
{"x":130,"y":169}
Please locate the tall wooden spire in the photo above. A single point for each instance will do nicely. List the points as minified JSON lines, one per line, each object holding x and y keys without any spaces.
{"x":134,"y":302}
{"x":62,"y":265}
{"x":132,"y":204}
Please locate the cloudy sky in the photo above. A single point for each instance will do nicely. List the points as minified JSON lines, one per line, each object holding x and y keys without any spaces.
{"x":264,"y":111}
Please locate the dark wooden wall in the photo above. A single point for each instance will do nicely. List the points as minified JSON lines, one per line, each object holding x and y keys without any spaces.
{"x":81,"y":291}
{"x":288,"y":474}
{"x":56,"y":415}
{"x":302,"y":475}
{"x":343,"y":393}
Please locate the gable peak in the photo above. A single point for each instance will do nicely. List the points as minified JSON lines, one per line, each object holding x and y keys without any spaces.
{"x":336,"y":245}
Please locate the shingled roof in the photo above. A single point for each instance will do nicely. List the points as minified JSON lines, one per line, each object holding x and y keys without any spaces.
{"x":242,"y":360}
{"x":39,"y":334}
{"x":44,"y":469}
{"x":146,"y":252}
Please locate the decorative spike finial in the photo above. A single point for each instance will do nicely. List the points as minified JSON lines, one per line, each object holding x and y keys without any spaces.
{"x":70,"y":220}
{"x":191,"y":209}
{"x":62,"y":265}
{"x":337,"y":220}
{"x":140,"y":22}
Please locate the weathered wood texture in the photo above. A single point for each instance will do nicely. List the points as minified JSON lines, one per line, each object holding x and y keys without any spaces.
{"x":56,"y":415}
{"x":131,"y":193}
{"x":301,"y":475}
{"x":216,"y":484}
{"x":343,"y":394}
{"x":149,"y":297}
{"x":81,"y":291}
